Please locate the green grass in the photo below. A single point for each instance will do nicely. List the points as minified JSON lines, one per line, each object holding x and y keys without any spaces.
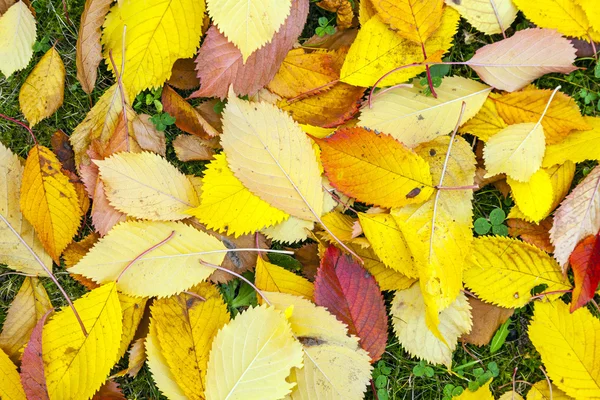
{"x":402,"y":383}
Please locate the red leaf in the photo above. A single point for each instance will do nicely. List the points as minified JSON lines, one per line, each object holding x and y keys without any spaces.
{"x":219,"y":63}
{"x":585,"y":262}
{"x":349,"y":292}
{"x":32,"y":365}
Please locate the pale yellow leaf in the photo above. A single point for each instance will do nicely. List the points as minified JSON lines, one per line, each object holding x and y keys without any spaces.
{"x":248,"y":24}
{"x":408,"y":318}
{"x":534,"y":197}
{"x":174,"y":263}
{"x":577,"y":146}
{"x":145,"y":185}
{"x":43,"y":91}
{"x":227,"y":206}
{"x":132,"y":309}
{"x":415,"y":20}
{"x":388,"y":242}
{"x":503,"y":271}
{"x":27,"y":308}
{"x":17,"y":36}
{"x":20,"y":247}
{"x":251,"y":357}
{"x":335,"y":367}
{"x":568,"y":344}
{"x":413,"y":118}
{"x":159,"y":32}
{"x":481,"y":14}
{"x":517,"y":151}
{"x":10,"y":384}
{"x":541,"y":391}
{"x":271,"y":155}
{"x":377,"y":49}
{"x":75,"y":365}
{"x":291,"y":230}
{"x":273,"y":278}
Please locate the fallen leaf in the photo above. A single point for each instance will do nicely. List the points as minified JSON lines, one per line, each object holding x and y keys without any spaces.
{"x":109,"y":391}
{"x":487,"y":122}
{"x":183,"y":75}
{"x":567,"y":17}
{"x":17,"y":36}
{"x":308,"y":256}
{"x":485,"y":16}
{"x":541,"y":391}
{"x":535,"y":234}
{"x":10,"y":385}
{"x":273,"y":278}
{"x":585,"y":263}
{"x":416,"y":20}
{"x":192,"y":148}
{"x":343,"y":9}
{"x":387,"y":278}
{"x":33,"y":377}
{"x":147,"y":136}
{"x":487,"y":318}
{"x":534,"y":197}
{"x":576,"y":147}
{"x":187,"y":118}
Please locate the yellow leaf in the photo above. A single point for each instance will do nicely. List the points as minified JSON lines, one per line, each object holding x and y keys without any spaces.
{"x":528,"y":105}
{"x":541,"y":391}
{"x":227,"y":206}
{"x":17,"y":36}
{"x":440,"y":243}
{"x":516,"y":150}
{"x":387,"y":278}
{"x":568,"y":344}
{"x":486,"y":123}
{"x":534,"y":197}
{"x":341,"y":225}
{"x":577,"y":146}
{"x":268,"y":152}
{"x":249,"y":24}
{"x":416,"y":20}
{"x":481,"y":14}
{"x":590,"y":7}
{"x":145,"y":185}
{"x":157,"y":363}
{"x":510,"y":396}
{"x":408,"y":317}
{"x":302,"y":72}
{"x":566,"y":16}
{"x":366,"y":11}
{"x":158,"y":33}
{"x":483,"y":393}
{"x":317,"y":131}
{"x":49,"y":201}
{"x":28,"y":307}
{"x":503,"y":271}
{"x":99,"y":123}
{"x":75,"y":365}
{"x":133,"y":310}
{"x":388,"y":242}
{"x":273,"y":278}
{"x":10,"y":384}
{"x":291,"y":230}
{"x":20,"y":247}
{"x":251,"y":357}
{"x":375,"y":169}
{"x":335,"y":367}
{"x":185,"y":327}
{"x":413,"y":118}
{"x":378,"y":49}
{"x":43,"y":91}
{"x":174,"y":263}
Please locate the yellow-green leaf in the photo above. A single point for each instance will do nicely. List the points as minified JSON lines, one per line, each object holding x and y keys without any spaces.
{"x":503,"y":271}
{"x":172,"y":254}
{"x":568,"y":344}
{"x":43,"y":91}
{"x":17,"y":36}
{"x":251,"y":357}
{"x":75,"y":365}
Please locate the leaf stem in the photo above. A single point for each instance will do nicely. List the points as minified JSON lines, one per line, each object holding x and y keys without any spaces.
{"x":547,"y":106}
{"x":547,"y":380}
{"x":493,"y":3}
{"x":143,"y":253}
{"x":6,"y":117}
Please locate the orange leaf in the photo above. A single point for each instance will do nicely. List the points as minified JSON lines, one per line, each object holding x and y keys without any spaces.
{"x":585,"y":263}
{"x":187,"y":118}
{"x":183,"y":74}
{"x":535,"y":234}
{"x":49,"y":201}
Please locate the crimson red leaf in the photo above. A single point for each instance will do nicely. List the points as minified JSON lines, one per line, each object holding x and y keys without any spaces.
{"x":585,"y":262}
{"x":32,"y":365}
{"x":219,"y":63}
{"x":349,"y":292}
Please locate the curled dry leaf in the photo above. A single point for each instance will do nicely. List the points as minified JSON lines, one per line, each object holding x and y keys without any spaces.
{"x":183,"y":75}
{"x":343,"y":9}
{"x":192,"y":148}
{"x":487,"y":318}
{"x":187,"y":118}
{"x":147,"y":136}
{"x":535,"y":234}
{"x":109,"y":391}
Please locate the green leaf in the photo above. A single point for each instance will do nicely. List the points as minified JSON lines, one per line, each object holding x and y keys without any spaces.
{"x":458,"y":391}
{"x":497,"y":216}
{"x":429,"y":372}
{"x":478,"y":372}
{"x":439,"y":70}
{"x":448,"y":389}
{"x":285,"y":261}
{"x":493,"y":368}
{"x":597,"y":70}
{"x":473,"y":386}
{"x":482,"y":226}
{"x":381,"y":381}
{"x":382,"y":394}
{"x":499,"y":337}
{"x":323,"y":21}
{"x":500,"y":230}
{"x":484,"y":378}
{"x":419,"y":370}
{"x":320,"y":31}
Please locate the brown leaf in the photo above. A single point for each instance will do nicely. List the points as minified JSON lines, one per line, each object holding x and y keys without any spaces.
{"x":147,"y":136}
{"x":192,"y":148}
{"x":308,"y":256}
{"x":535,"y":234}
{"x":89,"y":49}
{"x":109,"y":391}
{"x":187,"y":118}
{"x":137,"y":357}
{"x":239,"y":262}
{"x":337,"y":40}
{"x":75,"y":252}
{"x":328,"y":109}
{"x":207,"y":110}
{"x":63,"y":150}
{"x":32,"y":366}
{"x":487,"y":318}
{"x":183,"y":74}
{"x":343,"y":9}
{"x":27,"y":308}
{"x":219,"y":62}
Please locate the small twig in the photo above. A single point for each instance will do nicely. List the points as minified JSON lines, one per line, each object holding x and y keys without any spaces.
{"x":468,"y":187}
{"x":6,"y":117}
{"x":471,"y":354}
{"x":17,"y":273}
{"x":465,"y":291}
{"x":498,"y":18}
{"x":539,"y":296}
{"x":374,"y":390}
{"x":337,"y":199}
{"x":593,"y":46}
{"x":194,"y":295}
{"x":215,"y":266}
{"x":398,"y":86}
{"x":517,"y":381}
{"x":64,"y":3}
{"x":547,"y":380}
{"x":514,"y":383}
{"x":311,"y":91}
{"x":143,"y":253}
{"x":428,"y":73}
